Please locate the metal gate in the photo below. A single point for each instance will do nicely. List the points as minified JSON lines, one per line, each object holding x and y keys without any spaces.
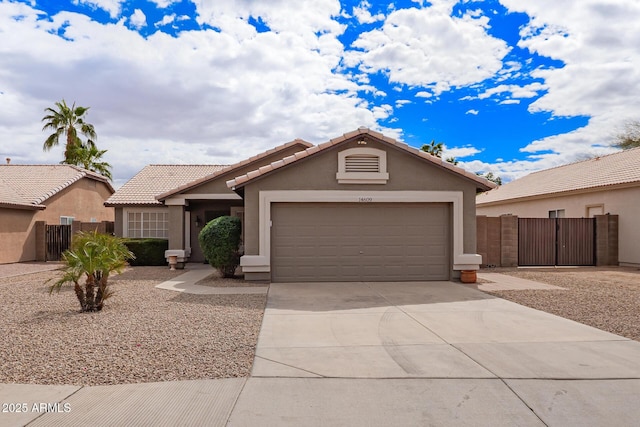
{"x":556,"y":241}
{"x":58,"y":241}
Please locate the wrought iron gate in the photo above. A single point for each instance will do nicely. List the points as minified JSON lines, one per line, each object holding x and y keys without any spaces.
{"x":556,"y":241}
{"x":58,"y":241}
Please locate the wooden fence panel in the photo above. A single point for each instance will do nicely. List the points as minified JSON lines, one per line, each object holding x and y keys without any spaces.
{"x":58,"y":239}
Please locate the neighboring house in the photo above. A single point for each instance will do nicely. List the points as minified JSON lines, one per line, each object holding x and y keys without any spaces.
{"x":55,"y":194}
{"x":174,"y":202}
{"x":359,"y":207}
{"x":602,"y":185}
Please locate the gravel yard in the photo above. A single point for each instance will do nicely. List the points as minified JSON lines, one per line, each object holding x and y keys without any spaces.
{"x":143,"y":334}
{"x":606,"y":298}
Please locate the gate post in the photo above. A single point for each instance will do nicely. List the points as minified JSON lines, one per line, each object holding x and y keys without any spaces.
{"x":607,"y":239}
{"x":508,"y":241}
{"x":41,"y":241}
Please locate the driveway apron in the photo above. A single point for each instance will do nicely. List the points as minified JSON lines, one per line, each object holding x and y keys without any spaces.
{"x":431,"y":353}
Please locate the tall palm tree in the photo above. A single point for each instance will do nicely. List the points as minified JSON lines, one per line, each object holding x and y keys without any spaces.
{"x":90,"y":158}
{"x":67,"y":121}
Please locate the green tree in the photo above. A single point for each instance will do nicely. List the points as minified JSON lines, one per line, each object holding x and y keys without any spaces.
{"x":630,"y":136}
{"x":220,"y":242}
{"x":434,"y":148}
{"x":90,"y":158}
{"x":491,"y":177}
{"x":68,"y":122}
{"x":92,"y":256}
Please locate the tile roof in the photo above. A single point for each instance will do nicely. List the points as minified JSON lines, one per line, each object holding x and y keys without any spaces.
{"x":303,"y":144}
{"x":621,"y":168}
{"x":482,"y":183}
{"x":153,"y":180}
{"x":29,"y":186}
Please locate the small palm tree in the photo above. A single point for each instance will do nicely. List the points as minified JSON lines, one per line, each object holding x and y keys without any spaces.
{"x":89,"y":157}
{"x":67,"y":121}
{"x":92,"y":256}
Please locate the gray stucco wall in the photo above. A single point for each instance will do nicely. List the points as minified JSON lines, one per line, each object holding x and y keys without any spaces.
{"x":318,"y":172}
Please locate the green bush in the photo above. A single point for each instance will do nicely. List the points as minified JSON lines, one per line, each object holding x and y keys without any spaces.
{"x":147,"y":251}
{"x":220,"y":240}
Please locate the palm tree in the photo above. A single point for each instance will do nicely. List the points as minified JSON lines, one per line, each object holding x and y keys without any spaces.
{"x":92,"y":256}
{"x":89,"y":157}
{"x":67,"y":121}
{"x":433,"y":148}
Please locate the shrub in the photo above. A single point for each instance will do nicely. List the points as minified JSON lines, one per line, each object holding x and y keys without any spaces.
{"x":92,"y":256}
{"x":147,"y":251}
{"x":220,"y":240}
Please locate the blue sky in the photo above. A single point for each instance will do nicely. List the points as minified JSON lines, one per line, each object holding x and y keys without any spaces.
{"x":509,"y":86}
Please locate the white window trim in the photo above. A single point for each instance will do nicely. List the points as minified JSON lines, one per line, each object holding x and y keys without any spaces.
{"x":345,"y":177}
{"x":262,"y":262}
{"x":66,"y":219}
{"x":125,"y":218}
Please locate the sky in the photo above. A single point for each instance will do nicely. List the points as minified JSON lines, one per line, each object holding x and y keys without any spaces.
{"x":508,"y":86}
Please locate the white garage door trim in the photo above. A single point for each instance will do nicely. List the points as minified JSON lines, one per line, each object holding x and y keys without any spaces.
{"x":261,"y":263}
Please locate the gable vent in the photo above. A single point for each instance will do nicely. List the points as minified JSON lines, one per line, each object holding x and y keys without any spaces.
{"x":362,"y":163}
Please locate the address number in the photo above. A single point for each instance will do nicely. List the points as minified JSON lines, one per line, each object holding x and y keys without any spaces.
{"x":365,"y":199}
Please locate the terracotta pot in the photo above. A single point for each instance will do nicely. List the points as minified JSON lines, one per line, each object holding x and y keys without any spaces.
{"x":468,"y":276}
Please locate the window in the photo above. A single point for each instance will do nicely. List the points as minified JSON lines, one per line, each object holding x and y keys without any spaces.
{"x":66,"y":220}
{"x":558,"y":213}
{"x":148,"y":224}
{"x":362,"y":166}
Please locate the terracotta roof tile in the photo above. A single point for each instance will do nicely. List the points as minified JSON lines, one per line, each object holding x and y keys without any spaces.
{"x":153,"y":180}
{"x":31,"y":185}
{"x":614,"y":169}
{"x":481,"y":182}
{"x":228,"y":169}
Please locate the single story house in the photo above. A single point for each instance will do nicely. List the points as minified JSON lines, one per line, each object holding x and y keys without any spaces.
{"x":359,"y":207}
{"x":55,"y":194}
{"x":598,"y":186}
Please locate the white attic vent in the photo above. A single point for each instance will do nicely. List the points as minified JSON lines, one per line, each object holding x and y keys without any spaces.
{"x":362,"y":163}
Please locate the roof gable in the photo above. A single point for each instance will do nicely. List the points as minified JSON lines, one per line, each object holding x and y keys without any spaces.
{"x":620,"y":168}
{"x":229,"y":169}
{"x":29,"y":186}
{"x":242,"y":180}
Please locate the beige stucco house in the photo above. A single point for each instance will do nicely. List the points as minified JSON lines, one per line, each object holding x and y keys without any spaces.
{"x":599,"y":186}
{"x":359,"y":207}
{"x":55,"y":194}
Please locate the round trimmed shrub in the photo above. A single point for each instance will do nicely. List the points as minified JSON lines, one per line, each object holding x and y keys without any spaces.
{"x":220,"y":240}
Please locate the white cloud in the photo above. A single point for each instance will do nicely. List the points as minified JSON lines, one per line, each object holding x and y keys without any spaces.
{"x":114,"y":7}
{"x":363,"y":15}
{"x":423,"y":94}
{"x":514,"y":91}
{"x":597,"y":41}
{"x":166,"y":20}
{"x":459,"y":152}
{"x":402,"y":102}
{"x":473,"y":112}
{"x":164,"y":3}
{"x":138,"y":19}
{"x":430,"y":48}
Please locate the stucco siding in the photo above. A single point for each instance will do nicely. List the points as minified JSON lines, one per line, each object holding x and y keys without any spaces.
{"x":623,"y":202}
{"x":318,"y":172}
{"x":18,"y":241}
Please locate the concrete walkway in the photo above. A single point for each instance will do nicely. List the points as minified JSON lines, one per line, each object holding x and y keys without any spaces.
{"x":194,"y":273}
{"x":380,"y":354}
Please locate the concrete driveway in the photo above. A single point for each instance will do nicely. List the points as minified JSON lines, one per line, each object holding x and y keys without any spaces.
{"x":433,"y":353}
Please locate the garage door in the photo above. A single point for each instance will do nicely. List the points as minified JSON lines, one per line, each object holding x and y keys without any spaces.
{"x":332,"y":242}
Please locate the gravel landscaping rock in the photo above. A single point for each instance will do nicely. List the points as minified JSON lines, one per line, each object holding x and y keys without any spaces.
{"x":606,"y":298}
{"x":143,"y":334}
